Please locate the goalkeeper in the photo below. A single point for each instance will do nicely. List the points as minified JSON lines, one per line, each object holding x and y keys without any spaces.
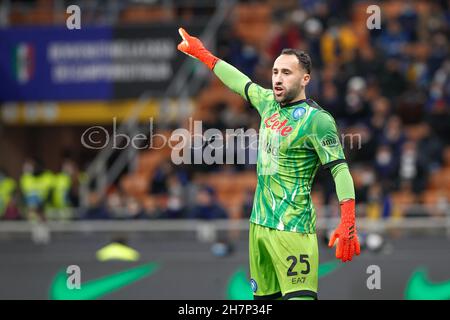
{"x":296,"y":136}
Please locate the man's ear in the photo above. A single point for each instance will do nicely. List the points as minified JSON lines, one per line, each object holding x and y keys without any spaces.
{"x":305,"y":79}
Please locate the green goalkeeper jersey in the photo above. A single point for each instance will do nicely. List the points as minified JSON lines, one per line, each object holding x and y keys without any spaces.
{"x":294,"y":140}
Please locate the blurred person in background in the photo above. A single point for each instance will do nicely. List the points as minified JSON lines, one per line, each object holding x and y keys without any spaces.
{"x":331,"y":98}
{"x":96,"y":210}
{"x":380,"y":110}
{"x":412,"y":170}
{"x":439,"y":52}
{"x":7,"y":197}
{"x":379,"y":204}
{"x":338,"y":43}
{"x":35,"y":187}
{"x":392,"y":80}
{"x":176,"y":202}
{"x":287,"y":36}
{"x":440,"y":84}
{"x":133,"y":209}
{"x":61,"y":190}
{"x":158,"y":185}
{"x":431,"y":148}
{"x":360,"y":143}
{"x":206,"y":206}
{"x":313,"y":29}
{"x":357,"y":107}
{"x":367,"y":63}
{"x":393,"y":39}
{"x":116,"y":204}
{"x":244,"y":55}
{"x":438,"y":103}
{"x":393,"y":135}
{"x":365,"y":176}
{"x":386,"y":167}
{"x":151,"y":209}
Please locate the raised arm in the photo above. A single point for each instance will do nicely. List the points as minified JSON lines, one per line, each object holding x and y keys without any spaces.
{"x":232,"y":77}
{"x":228,"y":74}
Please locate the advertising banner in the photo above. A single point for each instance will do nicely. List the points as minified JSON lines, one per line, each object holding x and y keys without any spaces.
{"x":93,"y":63}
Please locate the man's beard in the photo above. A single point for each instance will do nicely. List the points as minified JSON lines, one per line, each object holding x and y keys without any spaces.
{"x":288,"y":97}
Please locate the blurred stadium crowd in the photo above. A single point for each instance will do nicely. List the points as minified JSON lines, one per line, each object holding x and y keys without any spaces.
{"x":388,"y":89}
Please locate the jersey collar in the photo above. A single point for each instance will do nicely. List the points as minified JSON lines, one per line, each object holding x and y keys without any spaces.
{"x":290,"y":104}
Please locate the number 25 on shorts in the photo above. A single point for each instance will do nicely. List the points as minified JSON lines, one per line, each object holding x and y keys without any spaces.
{"x":303,"y":259}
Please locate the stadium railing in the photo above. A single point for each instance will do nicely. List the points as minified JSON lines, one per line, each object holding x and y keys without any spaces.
{"x":208,"y":230}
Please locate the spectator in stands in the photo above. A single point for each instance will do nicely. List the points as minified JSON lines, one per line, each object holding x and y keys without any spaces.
{"x":338,"y":43}
{"x":368,"y":63}
{"x":357,"y":107}
{"x":380,"y":109}
{"x":393,"y":39}
{"x":116,"y":204}
{"x":158,"y":185}
{"x":176,"y":202}
{"x":331,"y":98}
{"x":35,"y":186}
{"x":12,"y":211}
{"x":442,"y":205}
{"x":96,"y":209}
{"x":378,"y":203}
{"x":60,"y":191}
{"x":392,"y":80}
{"x":439,"y":94}
{"x":439,"y":52}
{"x":207,"y":207}
{"x":430,"y":146}
{"x":365,"y":176}
{"x":8,"y":208}
{"x":133,"y":209}
{"x":386,"y":166}
{"x":244,"y":57}
{"x":393,"y":135}
{"x":288,"y":36}
{"x":313,"y":29}
{"x":151,"y":210}
{"x":412,"y":169}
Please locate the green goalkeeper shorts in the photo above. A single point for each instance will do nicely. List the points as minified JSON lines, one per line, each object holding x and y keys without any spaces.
{"x":283,"y":264}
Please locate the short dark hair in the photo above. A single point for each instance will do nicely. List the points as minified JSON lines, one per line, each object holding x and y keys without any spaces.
{"x":303,"y":58}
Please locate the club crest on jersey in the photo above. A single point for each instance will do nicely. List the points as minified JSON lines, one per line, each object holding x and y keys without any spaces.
{"x":254,"y":285}
{"x":274,"y":123}
{"x":298,"y":113}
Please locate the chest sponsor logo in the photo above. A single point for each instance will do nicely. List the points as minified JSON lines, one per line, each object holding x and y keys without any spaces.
{"x":274,"y":123}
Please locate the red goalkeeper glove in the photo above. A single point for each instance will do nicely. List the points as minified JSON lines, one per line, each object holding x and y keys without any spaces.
{"x":194,"y":47}
{"x":348,"y":243}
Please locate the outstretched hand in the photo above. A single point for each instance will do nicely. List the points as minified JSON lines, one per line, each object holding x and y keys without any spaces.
{"x":193,"y":47}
